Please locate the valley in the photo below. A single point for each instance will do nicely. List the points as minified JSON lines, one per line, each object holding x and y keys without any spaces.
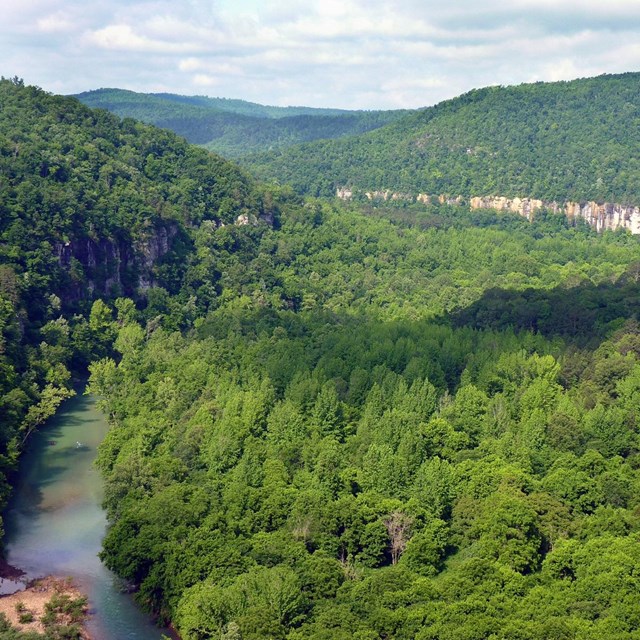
{"x":361,"y":416}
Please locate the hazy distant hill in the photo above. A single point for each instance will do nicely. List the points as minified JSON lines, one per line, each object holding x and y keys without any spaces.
{"x":576,"y":140}
{"x":236,"y":127}
{"x":246,"y":108}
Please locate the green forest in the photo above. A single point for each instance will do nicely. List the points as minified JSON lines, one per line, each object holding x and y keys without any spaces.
{"x":83,"y":199}
{"x":329,"y":420}
{"x":234,"y":128}
{"x":576,"y":140}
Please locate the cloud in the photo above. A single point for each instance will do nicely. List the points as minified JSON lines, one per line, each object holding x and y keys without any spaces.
{"x":204,"y":80}
{"x":55,"y":23}
{"x":347,"y":53}
{"x":123,"y":37}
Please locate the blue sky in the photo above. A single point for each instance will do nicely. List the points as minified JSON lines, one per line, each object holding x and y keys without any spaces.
{"x":359,"y":54}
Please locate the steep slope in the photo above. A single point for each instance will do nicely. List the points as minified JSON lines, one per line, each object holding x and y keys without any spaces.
{"x":90,"y":207}
{"x":562,"y":141}
{"x":337,"y":425}
{"x":235,"y":127}
{"x":91,"y":189}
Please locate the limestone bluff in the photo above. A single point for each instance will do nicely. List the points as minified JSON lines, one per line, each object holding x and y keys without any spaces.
{"x":601,"y":215}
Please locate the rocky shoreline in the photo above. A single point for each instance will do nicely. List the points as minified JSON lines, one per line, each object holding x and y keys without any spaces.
{"x":44,"y":603}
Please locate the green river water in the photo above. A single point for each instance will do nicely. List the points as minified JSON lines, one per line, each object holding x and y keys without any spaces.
{"x":55,"y":525}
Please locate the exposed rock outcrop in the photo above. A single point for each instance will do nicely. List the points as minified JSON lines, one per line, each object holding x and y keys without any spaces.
{"x":455,"y":200}
{"x":344,"y":193}
{"x":607,"y":215}
{"x":108,"y":266}
{"x":246,"y":219}
{"x":388,"y":195}
{"x":150,"y":250}
{"x":523,"y":206}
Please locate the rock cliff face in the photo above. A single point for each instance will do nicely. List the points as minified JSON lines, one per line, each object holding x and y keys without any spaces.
{"x":119,"y":266}
{"x":344,"y":193}
{"x":523,"y":206}
{"x":112,"y":266}
{"x":606,"y":216}
{"x":150,"y":250}
{"x":387,"y":195}
{"x":602,"y":216}
{"x":245,"y":219}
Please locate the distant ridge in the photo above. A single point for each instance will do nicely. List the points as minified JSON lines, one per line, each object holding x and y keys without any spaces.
{"x":236,"y":127}
{"x":247,"y":108}
{"x":562,"y":141}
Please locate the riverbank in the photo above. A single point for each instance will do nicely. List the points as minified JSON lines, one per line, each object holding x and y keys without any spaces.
{"x":47,"y":602}
{"x":55,"y":523}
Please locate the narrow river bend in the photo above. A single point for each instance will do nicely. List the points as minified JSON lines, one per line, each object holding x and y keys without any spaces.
{"x":55,"y":524}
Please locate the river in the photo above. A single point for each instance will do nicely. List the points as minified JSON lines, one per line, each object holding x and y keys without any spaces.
{"x":54,"y":523}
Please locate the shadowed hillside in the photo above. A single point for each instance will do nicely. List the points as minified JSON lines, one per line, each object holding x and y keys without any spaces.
{"x":235,"y":127}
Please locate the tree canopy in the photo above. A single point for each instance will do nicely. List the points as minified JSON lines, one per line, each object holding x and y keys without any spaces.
{"x":328,"y":420}
{"x":563,"y":141}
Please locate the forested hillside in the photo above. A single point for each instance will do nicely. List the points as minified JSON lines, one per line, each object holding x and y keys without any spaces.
{"x":231,"y":105}
{"x":235,"y":127}
{"x":327,"y":420}
{"x":345,"y":446}
{"x":90,"y":207}
{"x":577,"y":140}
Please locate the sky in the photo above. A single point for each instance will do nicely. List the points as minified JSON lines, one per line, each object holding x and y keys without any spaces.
{"x":352,"y":54}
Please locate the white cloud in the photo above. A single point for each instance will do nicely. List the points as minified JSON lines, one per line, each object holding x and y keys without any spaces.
{"x":55,"y":23}
{"x":349,"y":53}
{"x":204,"y":80}
{"x":189,"y":64}
{"x":123,"y":37}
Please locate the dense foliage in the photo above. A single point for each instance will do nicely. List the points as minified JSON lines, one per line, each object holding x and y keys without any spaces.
{"x":235,"y":128}
{"x":328,"y":421}
{"x":84,"y":199}
{"x":338,"y":450}
{"x":70,"y":175}
{"x":304,"y":481}
{"x":577,"y":140}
